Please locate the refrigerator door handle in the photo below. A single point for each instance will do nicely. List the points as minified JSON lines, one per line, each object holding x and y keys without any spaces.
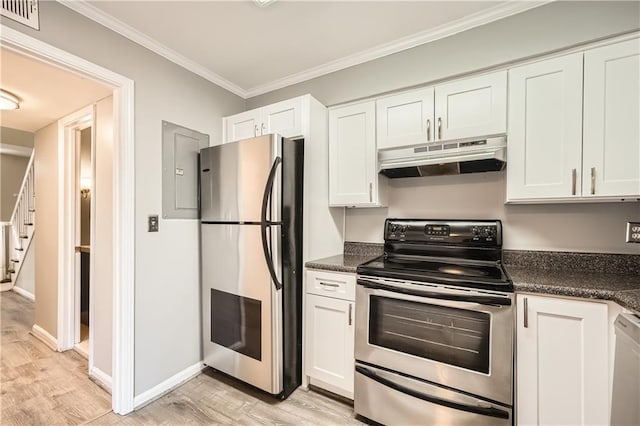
{"x":265,"y":224}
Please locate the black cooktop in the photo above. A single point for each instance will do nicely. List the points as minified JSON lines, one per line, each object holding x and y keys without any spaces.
{"x":439,"y":271}
{"x":460,"y":253}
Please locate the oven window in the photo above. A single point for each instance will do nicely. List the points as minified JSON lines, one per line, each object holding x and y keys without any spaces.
{"x":236,"y":323}
{"x":453,"y":336}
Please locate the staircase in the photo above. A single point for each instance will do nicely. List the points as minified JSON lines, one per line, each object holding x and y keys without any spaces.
{"x":18,"y":232}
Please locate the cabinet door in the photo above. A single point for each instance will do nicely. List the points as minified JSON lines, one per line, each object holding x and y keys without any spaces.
{"x":352,"y":155}
{"x":471,"y":107}
{"x":405,"y":119}
{"x":330,"y":342}
{"x":611,"y":144}
{"x":562,"y":362}
{"x":284,"y":118}
{"x":545,"y":129}
{"x":241,"y":126}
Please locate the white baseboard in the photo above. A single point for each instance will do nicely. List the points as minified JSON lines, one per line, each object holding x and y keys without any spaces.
{"x":24,"y":293}
{"x":80,"y":351}
{"x":44,"y":336}
{"x":102,"y":378}
{"x":168,"y":385}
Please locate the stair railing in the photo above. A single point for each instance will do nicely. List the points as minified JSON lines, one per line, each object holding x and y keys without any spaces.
{"x":5,"y":275}
{"x":21,"y":219}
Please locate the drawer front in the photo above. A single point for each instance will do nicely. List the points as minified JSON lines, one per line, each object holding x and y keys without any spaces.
{"x":331,"y":284}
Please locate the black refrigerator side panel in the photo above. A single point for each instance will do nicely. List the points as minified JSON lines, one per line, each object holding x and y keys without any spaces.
{"x":292,"y":194}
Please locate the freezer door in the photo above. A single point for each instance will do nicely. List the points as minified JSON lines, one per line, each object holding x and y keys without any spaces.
{"x":233,"y":179}
{"x":242,"y":310}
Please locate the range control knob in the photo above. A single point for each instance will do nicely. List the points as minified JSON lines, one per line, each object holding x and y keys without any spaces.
{"x":394,"y":228}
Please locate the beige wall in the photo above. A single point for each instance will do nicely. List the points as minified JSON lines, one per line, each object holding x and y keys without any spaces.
{"x":47,"y":190}
{"x":102,"y":245}
{"x":558,"y":25}
{"x":16,"y":137}
{"x":12,"y":169}
{"x":46,"y":228}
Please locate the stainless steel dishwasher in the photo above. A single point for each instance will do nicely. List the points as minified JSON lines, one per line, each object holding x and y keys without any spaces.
{"x":625,"y":402}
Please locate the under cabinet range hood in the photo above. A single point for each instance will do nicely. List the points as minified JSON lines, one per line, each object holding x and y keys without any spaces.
{"x":444,"y":158}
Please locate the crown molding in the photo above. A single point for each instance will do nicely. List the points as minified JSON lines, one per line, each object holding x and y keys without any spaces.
{"x":84,"y":8}
{"x":495,"y":13}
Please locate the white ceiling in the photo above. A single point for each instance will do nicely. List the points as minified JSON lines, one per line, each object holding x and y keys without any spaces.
{"x":46,"y":93}
{"x":251,"y":50}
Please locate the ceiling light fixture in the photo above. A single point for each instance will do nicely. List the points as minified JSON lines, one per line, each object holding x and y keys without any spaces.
{"x":8,"y":100}
{"x":263,"y":3}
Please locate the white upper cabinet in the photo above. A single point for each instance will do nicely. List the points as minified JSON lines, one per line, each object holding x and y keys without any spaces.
{"x":241,"y":126}
{"x":467,"y":108}
{"x":611,"y":152}
{"x":563,"y":362}
{"x":353,"y":173}
{"x":575,"y":135}
{"x":284,"y":118}
{"x":471,"y":107}
{"x":545,"y":129}
{"x":405,"y":119}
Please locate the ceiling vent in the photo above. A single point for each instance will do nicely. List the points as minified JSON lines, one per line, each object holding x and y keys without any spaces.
{"x":23,"y":11}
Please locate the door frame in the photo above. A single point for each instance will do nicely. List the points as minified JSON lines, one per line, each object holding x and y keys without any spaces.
{"x":123,"y":204}
{"x":69,"y":128}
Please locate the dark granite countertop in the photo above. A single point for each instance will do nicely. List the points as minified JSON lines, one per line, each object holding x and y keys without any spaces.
{"x":623,"y":289}
{"x":590,"y":275}
{"x":339,"y":263}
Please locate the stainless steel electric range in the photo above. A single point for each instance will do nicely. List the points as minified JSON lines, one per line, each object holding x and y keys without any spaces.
{"x":434,"y":326}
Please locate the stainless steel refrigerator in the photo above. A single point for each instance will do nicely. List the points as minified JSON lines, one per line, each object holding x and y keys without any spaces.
{"x":251,"y":248}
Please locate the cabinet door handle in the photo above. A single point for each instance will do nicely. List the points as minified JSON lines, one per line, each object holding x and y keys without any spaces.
{"x":264,"y":128}
{"x":526,"y":312}
{"x":428,"y":129}
{"x":573,"y":181}
{"x":350,"y":314}
{"x":439,"y":128}
{"x":371,"y":192}
{"x":255,"y":130}
{"x":593,"y":181}
{"x":329,"y":284}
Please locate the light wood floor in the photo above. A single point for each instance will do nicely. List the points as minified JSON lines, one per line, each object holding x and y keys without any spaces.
{"x":39,"y":386}
{"x":212,"y":398}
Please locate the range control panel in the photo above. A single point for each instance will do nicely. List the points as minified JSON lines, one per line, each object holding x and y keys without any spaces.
{"x":453,"y":232}
{"x":437,"y":230}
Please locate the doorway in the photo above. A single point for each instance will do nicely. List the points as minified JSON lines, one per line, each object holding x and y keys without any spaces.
{"x":122,"y":208}
{"x":84,"y":178}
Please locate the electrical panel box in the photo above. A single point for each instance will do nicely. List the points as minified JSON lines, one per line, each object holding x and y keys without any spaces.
{"x":180,"y":150}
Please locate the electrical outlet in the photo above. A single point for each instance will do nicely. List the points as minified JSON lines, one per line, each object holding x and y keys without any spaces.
{"x":633,"y":232}
{"x":153,"y":223}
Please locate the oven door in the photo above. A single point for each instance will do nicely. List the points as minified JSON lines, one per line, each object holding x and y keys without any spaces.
{"x":459,"y":338}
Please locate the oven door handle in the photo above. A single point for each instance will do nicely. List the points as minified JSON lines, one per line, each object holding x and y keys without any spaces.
{"x":485,"y":411}
{"x":482,"y":300}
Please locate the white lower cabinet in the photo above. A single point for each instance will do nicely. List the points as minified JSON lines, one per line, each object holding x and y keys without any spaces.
{"x":562,"y":362}
{"x":329,"y":332}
